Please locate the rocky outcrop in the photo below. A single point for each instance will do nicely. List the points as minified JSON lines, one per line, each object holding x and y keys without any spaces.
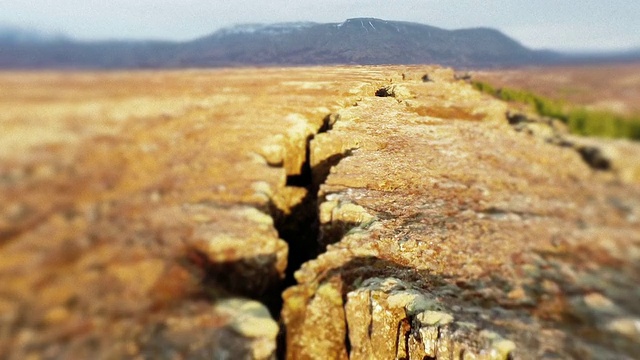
{"x":162,"y":215}
{"x":381,"y":310}
{"x":144,"y":213}
{"x":450,"y":235}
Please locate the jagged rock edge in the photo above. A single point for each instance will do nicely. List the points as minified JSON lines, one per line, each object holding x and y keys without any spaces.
{"x":281,"y":210}
{"x":490,"y":344}
{"x":431,"y":329}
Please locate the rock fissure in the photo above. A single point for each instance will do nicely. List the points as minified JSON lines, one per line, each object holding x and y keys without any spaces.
{"x":301,"y":228}
{"x":403,"y":298}
{"x":417,"y":226}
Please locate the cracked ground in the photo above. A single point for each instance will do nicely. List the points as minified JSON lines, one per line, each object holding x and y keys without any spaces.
{"x":336,"y":212}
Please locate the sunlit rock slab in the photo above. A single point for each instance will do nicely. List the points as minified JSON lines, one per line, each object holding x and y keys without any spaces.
{"x":135,"y":203}
{"x":455,"y":236}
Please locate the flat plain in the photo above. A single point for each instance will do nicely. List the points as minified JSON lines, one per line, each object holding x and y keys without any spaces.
{"x":613,"y":87}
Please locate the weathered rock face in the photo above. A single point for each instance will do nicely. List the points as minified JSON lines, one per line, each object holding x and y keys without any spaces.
{"x":145,"y":214}
{"x":139,"y":210}
{"x":454,"y":236}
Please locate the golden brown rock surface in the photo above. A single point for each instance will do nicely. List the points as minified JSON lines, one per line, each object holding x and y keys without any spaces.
{"x":142,"y":215}
{"x":132,"y":203}
{"x":455,"y":236}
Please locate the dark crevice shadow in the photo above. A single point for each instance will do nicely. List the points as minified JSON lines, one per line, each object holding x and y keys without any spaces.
{"x":594,"y":157}
{"x":254,"y":278}
{"x":300,"y":226}
{"x":328,"y":122}
{"x":334,"y":231}
{"x":306,"y":177}
{"x":303,"y":179}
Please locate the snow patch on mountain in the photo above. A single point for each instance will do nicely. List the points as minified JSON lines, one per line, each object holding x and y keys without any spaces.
{"x":269,"y":29}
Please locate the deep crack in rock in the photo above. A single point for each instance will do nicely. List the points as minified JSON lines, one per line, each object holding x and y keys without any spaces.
{"x":433,"y":237}
{"x":300,"y":228}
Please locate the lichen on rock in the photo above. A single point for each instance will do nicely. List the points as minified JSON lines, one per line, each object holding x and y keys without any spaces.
{"x":443,"y":233}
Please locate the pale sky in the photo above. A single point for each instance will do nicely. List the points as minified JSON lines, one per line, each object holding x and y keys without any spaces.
{"x":550,"y":24}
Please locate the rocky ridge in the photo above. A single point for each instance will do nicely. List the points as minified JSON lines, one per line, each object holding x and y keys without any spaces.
{"x":420,"y":223}
{"x":459,"y":238}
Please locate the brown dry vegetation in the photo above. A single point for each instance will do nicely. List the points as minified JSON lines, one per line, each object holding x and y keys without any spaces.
{"x":605,"y":87}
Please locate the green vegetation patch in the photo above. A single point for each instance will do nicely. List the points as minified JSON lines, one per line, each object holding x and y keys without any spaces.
{"x":580,"y":120}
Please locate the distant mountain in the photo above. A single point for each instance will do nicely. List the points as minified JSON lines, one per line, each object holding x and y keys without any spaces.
{"x":631,"y":55}
{"x":16,"y":35}
{"x":355,"y":41}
